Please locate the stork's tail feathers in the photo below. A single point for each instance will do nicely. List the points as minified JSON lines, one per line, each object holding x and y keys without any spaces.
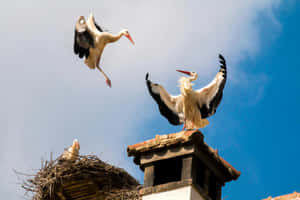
{"x":223,"y":65}
{"x":197,"y":124}
{"x":147,"y":76}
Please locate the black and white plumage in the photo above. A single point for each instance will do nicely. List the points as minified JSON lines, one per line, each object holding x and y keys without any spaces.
{"x":83,"y":38}
{"x":191,"y":107}
{"x":90,"y":41}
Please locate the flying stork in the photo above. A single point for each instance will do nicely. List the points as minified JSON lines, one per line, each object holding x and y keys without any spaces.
{"x":191,"y":107}
{"x":90,"y":40}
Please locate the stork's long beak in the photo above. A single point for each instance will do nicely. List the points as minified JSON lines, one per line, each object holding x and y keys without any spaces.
{"x":185,"y":72}
{"x":129,"y":38}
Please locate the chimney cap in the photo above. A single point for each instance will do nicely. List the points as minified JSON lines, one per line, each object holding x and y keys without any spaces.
{"x":163,"y":142}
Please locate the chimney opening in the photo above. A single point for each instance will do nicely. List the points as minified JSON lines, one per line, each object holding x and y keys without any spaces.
{"x":212,"y":187}
{"x":166,"y":171}
{"x":200,"y":166}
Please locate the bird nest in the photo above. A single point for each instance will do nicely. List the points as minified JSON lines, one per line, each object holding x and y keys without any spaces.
{"x":86,"y":178}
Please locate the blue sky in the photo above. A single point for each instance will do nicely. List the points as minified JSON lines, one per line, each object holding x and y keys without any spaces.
{"x":49,"y":97}
{"x":267,"y":131}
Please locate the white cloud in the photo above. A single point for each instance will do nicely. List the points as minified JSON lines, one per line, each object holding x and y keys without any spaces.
{"x":50,"y":97}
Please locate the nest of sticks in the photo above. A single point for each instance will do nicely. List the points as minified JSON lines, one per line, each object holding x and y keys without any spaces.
{"x":86,"y":178}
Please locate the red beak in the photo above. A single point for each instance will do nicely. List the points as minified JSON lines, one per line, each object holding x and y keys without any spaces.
{"x":185,"y":72}
{"x":129,"y":38}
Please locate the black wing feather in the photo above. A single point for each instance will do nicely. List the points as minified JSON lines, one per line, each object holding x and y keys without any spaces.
{"x":83,"y":41}
{"x":214,"y":103}
{"x":99,"y":27}
{"x":171,"y":116}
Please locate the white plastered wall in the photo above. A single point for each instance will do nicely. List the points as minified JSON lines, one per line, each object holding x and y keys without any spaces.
{"x":184,"y":193}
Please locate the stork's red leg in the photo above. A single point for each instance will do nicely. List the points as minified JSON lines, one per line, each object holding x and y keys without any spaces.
{"x":108,"y":82}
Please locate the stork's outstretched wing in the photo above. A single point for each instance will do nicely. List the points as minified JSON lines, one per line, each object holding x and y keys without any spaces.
{"x":209,"y":97}
{"x":83,"y":40}
{"x":169,"y":106}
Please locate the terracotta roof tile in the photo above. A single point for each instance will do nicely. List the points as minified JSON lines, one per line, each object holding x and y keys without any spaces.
{"x":292,"y":196}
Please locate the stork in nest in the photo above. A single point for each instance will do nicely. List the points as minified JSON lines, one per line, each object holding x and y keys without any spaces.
{"x":191,"y":107}
{"x":90,"y":40}
{"x":72,"y":153}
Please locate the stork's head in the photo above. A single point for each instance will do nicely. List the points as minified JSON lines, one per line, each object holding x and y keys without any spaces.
{"x":76,"y":145}
{"x":186,"y":82}
{"x":126,"y":34}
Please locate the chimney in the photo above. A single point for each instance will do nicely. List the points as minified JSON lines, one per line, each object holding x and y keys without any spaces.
{"x":181,"y":166}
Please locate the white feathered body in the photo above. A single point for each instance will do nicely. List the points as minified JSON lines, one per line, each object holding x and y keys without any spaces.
{"x":190,"y":101}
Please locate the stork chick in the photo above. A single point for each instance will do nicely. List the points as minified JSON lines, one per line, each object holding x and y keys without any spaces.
{"x":191,"y":107}
{"x":72,"y":153}
{"x":90,"y":40}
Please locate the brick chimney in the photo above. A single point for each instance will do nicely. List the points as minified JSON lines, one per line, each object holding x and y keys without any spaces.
{"x":181,"y":166}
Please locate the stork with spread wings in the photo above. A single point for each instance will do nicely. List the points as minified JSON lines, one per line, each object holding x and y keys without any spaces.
{"x":191,"y":107}
{"x":90,"y":40}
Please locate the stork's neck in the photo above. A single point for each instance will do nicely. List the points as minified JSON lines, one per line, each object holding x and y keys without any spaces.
{"x":186,"y":91}
{"x":193,"y":78}
{"x":185,"y":86}
{"x":114,"y":38}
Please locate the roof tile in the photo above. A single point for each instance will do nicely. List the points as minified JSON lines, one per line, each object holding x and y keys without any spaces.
{"x":291,"y":196}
